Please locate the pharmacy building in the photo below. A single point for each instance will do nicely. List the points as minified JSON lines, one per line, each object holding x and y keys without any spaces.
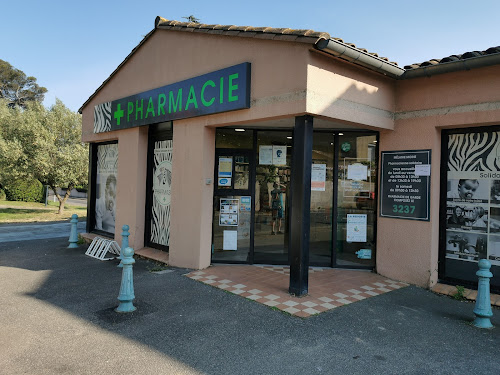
{"x":261,"y":145}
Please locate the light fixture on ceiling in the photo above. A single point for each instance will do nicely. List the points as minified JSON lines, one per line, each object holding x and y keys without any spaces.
{"x":288,"y":137}
{"x":239,"y":130}
{"x":341,"y":133}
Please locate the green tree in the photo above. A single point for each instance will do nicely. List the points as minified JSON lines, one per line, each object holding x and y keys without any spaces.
{"x":18,"y":89}
{"x":44,"y":144}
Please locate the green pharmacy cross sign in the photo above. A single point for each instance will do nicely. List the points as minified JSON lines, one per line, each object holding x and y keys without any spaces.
{"x":220,"y":91}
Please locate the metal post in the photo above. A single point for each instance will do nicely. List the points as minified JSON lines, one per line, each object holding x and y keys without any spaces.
{"x":46,"y":194}
{"x":301,"y":205}
{"x":125,"y":235}
{"x":126,"y":295}
{"x":73,"y":236}
{"x":483,"y":310}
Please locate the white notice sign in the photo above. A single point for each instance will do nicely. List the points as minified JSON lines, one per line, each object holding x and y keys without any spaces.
{"x":279,"y":155}
{"x":422,"y":170}
{"x":358,"y":172}
{"x":265,"y":155}
{"x":230,"y":241}
{"x":229,"y":212}
{"x":318,"y":177}
{"x":356,"y":228}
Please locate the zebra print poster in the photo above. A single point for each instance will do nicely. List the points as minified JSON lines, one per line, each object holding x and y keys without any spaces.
{"x":473,"y":152}
{"x":162,"y":182}
{"x":102,"y":117}
{"x":473,"y":197}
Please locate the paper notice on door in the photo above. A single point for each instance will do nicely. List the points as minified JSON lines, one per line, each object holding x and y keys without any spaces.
{"x":279,"y":155}
{"x":225,"y":166}
{"x":230,"y":240}
{"x":318,"y":177}
{"x":265,"y":155}
{"x":358,"y":172}
{"x":356,"y":228}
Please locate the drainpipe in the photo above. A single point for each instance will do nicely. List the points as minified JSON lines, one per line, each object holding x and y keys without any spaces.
{"x":345,"y":51}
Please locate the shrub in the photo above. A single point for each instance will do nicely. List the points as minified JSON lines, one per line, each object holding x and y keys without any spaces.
{"x":25,"y":190}
{"x":2,"y":195}
{"x":81,"y":188}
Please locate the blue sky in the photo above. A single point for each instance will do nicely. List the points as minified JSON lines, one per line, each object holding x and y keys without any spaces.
{"x":72,"y":47}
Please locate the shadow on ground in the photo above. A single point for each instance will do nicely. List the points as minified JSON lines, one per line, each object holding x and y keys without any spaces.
{"x":21,"y":211}
{"x":182,"y":326}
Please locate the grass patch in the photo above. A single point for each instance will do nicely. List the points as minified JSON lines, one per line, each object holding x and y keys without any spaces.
{"x":81,"y":240}
{"x":459,"y":294}
{"x":157,"y":267}
{"x":30,"y":212}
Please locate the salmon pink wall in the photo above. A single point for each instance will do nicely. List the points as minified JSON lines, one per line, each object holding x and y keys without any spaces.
{"x":288,"y":79}
{"x":278,"y":88}
{"x":192,"y":196}
{"x":131,"y":187}
{"x":278,"y":78}
{"x":342,"y":91}
{"x":408,"y":250}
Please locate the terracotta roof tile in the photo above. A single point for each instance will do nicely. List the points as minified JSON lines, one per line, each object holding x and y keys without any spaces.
{"x":430,"y":62}
{"x":491,"y":50}
{"x":275,"y":33}
{"x":239,"y":28}
{"x":285,"y":34}
{"x":256,"y":29}
{"x":452,"y":58}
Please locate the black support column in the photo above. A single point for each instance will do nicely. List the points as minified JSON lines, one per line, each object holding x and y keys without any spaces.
{"x":301,"y":205}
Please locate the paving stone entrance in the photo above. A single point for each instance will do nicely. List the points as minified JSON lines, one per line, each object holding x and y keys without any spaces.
{"x":328,"y":288}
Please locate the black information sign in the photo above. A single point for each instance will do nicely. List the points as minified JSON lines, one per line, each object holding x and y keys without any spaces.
{"x":405,"y":184}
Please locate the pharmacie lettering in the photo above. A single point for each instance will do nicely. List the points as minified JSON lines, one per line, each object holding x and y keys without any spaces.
{"x":179,"y":100}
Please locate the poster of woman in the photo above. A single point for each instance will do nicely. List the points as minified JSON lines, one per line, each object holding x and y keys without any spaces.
{"x":106,"y":181}
{"x":467,"y":217}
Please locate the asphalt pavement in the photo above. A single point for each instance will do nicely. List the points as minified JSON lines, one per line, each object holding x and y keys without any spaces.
{"x":37,"y":231}
{"x":57,"y":316}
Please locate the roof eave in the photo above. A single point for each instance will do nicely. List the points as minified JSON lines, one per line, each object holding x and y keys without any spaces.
{"x":357,"y":56}
{"x":452,"y":66}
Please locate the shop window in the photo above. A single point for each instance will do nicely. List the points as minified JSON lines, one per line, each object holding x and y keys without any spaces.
{"x":470,"y":209}
{"x":232,"y":196}
{"x":104,"y":183}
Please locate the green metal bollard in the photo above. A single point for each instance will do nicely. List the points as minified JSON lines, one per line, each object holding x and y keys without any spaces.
{"x":73,"y":236}
{"x":125,"y":235}
{"x":483,"y":310}
{"x":126,"y":295}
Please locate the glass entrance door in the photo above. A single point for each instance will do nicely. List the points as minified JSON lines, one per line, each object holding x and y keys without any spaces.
{"x":232,"y":221}
{"x":322,"y":197}
{"x":272,"y":196}
{"x":252,"y":197}
{"x":356,"y":204}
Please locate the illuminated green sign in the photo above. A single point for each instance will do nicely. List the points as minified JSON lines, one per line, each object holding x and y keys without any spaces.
{"x":220,"y":91}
